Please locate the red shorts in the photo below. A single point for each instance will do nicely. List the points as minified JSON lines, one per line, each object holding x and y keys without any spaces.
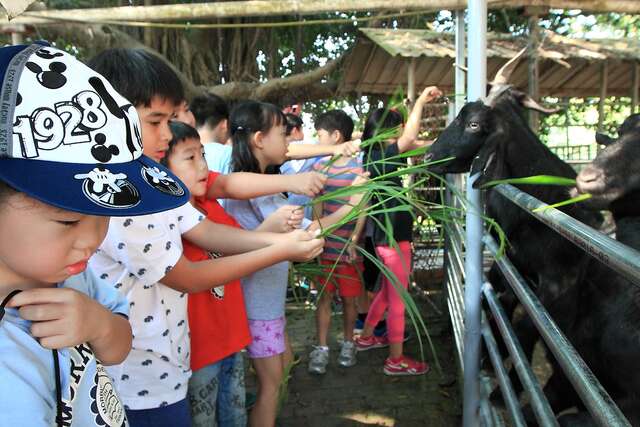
{"x":346,"y":277}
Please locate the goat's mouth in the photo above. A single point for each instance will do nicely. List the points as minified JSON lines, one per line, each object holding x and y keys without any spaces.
{"x":601,"y":196}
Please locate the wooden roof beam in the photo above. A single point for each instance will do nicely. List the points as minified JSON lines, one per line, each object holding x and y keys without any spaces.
{"x":264,"y":8}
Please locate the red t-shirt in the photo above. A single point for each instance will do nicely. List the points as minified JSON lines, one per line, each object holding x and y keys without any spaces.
{"x":217,"y":317}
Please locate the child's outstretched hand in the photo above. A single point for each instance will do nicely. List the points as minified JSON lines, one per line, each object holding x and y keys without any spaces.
{"x":347,"y":149}
{"x":304,"y":245}
{"x":430,"y":94}
{"x":286,"y":218}
{"x":308,"y":183}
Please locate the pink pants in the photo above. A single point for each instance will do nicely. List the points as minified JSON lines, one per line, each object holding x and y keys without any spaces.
{"x":388,"y":297}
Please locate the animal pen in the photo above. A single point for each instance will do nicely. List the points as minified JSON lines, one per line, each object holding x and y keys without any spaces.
{"x":467,"y":284}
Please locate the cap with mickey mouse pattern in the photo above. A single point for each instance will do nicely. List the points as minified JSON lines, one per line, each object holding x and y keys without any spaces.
{"x":69,"y":139}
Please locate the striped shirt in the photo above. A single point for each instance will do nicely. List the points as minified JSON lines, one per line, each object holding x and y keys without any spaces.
{"x":338,"y":177}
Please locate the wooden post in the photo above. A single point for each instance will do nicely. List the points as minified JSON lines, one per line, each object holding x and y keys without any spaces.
{"x":634,"y":90}
{"x":411,"y":81}
{"x":604,"y":75}
{"x":533,"y":68}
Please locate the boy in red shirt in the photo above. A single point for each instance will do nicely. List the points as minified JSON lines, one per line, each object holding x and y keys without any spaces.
{"x":217,"y":317}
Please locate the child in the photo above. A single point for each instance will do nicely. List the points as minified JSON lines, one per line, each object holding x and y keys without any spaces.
{"x":142,"y":257}
{"x":59,"y":323}
{"x":259,"y":141}
{"x":343,"y":267}
{"x":398,"y":262}
{"x":217,"y":317}
{"x":184,"y":114}
{"x":212,"y":116}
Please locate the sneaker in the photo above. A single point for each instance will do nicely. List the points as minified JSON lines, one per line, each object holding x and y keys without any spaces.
{"x":347,"y":357}
{"x":367,"y":343}
{"x":404,"y":365}
{"x":318,"y":360}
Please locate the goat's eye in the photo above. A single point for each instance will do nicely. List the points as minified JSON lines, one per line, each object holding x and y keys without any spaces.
{"x":473,"y":125}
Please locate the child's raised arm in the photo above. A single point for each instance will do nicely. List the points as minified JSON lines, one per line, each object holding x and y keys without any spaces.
{"x":245,"y":185}
{"x":305,"y":151}
{"x":412,"y":127}
{"x":187,"y":276}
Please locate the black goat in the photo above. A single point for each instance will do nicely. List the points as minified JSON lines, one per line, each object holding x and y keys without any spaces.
{"x":606,"y":332}
{"x":493,"y":139}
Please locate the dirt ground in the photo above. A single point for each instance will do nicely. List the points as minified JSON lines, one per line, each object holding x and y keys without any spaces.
{"x":363,"y":395}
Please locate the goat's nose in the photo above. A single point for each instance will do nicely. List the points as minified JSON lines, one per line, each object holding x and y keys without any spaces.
{"x":590,"y":179}
{"x":428,"y":157}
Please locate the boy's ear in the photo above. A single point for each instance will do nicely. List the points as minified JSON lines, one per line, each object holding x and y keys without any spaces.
{"x":337,"y":137}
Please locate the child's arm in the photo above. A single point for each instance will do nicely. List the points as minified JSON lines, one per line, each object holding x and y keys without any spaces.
{"x":244,"y":185}
{"x":229,"y":240}
{"x":305,"y":151}
{"x":412,"y":127}
{"x":64,"y":317}
{"x":187,"y":276}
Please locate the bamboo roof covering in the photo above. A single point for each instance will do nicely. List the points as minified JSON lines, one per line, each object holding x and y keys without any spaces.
{"x":379,"y":62}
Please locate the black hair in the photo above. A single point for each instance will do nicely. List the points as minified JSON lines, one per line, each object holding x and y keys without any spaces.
{"x":209,"y":110}
{"x":246,"y":119}
{"x":138,"y":75}
{"x":380,"y":120}
{"x":293,"y":122}
{"x":180,"y":132}
{"x":335,"y":120}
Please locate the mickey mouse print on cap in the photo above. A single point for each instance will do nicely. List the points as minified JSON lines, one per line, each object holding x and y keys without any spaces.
{"x":70,"y":140}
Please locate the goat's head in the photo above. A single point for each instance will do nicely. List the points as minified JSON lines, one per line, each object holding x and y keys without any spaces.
{"x":614,"y":173}
{"x":481,"y":129}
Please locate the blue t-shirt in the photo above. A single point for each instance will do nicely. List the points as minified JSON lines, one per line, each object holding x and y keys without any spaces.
{"x":265,"y":290}
{"x":218,"y":157}
{"x":28,"y":376}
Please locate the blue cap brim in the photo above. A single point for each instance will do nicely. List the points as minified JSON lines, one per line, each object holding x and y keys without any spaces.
{"x":58,"y":184}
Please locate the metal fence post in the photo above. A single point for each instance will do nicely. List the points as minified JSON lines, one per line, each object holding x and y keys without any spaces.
{"x":477,"y":42}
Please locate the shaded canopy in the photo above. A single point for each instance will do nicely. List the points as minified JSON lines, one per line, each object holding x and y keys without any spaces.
{"x":378,"y":64}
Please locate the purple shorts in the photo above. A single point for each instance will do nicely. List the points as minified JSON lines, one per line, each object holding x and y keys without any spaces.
{"x":267,"y":338}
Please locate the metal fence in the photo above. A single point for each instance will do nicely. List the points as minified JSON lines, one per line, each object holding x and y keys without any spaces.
{"x":617,"y":256}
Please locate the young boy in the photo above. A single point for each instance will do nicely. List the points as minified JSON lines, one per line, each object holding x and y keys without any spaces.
{"x":212,"y":117}
{"x":142,"y":257}
{"x":60,"y":180}
{"x":217,"y":317}
{"x":335,"y":127}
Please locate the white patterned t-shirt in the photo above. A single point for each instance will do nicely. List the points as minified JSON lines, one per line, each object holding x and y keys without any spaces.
{"x":136,"y":254}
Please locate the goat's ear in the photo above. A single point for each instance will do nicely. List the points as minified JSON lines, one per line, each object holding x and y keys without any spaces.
{"x":488,"y":161}
{"x":528,"y":102}
{"x":603,"y":139}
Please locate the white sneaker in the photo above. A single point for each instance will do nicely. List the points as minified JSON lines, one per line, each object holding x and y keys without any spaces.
{"x":318,"y":360}
{"x":347,"y":357}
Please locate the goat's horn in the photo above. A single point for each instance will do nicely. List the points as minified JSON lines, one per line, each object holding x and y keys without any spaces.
{"x":503,"y":74}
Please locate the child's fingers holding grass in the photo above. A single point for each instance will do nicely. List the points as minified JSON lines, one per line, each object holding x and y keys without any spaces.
{"x":308,"y":183}
{"x":303,"y":245}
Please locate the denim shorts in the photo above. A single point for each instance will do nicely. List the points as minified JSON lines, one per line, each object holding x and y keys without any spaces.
{"x":267,"y":338}
{"x":217,"y":394}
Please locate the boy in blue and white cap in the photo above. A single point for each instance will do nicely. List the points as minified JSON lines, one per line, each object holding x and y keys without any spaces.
{"x":70,"y":157}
